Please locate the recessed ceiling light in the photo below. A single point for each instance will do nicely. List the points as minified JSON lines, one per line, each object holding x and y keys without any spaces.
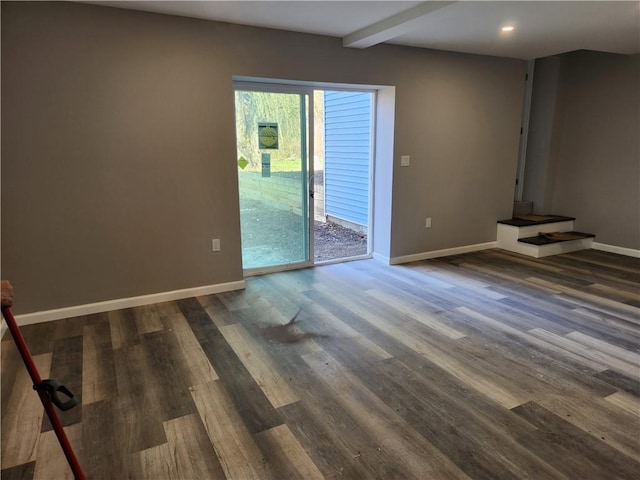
{"x":508,"y":28}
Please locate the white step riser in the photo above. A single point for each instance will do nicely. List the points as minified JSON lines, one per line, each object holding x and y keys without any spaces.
{"x":539,"y":251}
{"x":511,"y":232}
{"x":508,"y":236}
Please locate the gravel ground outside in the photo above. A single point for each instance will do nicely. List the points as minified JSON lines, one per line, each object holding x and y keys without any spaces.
{"x":335,"y":241}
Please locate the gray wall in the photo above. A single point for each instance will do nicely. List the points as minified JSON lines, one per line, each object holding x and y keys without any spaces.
{"x":118,"y":148}
{"x":542,"y":143}
{"x":583,"y":155}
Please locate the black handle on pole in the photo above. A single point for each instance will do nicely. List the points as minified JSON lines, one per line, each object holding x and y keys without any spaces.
{"x":52,"y":387}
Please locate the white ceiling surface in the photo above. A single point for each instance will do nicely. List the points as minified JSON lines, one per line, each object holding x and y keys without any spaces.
{"x":541,"y":28}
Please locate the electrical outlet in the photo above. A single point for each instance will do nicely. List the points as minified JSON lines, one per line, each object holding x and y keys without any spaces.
{"x":427,"y":223}
{"x":404,"y":160}
{"x":215,"y":244}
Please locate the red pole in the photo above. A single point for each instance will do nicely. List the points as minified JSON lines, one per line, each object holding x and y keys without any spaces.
{"x":44,"y":397}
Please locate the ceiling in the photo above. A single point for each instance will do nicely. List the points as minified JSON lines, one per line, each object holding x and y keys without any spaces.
{"x":540,"y":28}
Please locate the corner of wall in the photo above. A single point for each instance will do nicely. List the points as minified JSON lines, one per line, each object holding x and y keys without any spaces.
{"x":383,"y":171}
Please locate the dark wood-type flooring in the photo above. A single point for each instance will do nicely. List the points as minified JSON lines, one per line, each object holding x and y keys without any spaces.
{"x":488,"y":365}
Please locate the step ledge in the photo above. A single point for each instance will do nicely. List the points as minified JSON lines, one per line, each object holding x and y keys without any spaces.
{"x":518,"y":222}
{"x":541,"y":240}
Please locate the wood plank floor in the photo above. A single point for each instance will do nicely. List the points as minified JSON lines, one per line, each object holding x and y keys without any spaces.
{"x":487,"y":365}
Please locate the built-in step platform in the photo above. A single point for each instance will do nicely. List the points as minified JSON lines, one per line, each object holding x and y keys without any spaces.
{"x":528,"y":220}
{"x":555,"y":237}
{"x":541,"y":235}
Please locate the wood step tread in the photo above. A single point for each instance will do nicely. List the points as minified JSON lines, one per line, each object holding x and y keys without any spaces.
{"x":528,"y":220}
{"x":555,"y":237}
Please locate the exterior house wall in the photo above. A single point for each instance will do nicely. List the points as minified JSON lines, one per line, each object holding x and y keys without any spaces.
{"x":347,"y":155}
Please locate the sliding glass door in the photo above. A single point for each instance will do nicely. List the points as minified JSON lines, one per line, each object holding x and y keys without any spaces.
{"x":273,"y":163}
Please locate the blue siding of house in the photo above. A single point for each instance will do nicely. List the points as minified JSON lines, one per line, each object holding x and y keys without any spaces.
{"x":347,"y":117}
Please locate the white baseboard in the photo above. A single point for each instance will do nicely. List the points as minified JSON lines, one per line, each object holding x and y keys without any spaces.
{"x":441,"y":253}
{"x":381,"y":258}
{"x":629,"y":252}
{"x":109,"y":305}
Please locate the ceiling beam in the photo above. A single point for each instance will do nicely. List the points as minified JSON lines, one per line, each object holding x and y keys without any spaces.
{"x":390,"y":27}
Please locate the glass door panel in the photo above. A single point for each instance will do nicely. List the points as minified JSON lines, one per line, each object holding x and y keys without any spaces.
{"x":272,"y":150}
